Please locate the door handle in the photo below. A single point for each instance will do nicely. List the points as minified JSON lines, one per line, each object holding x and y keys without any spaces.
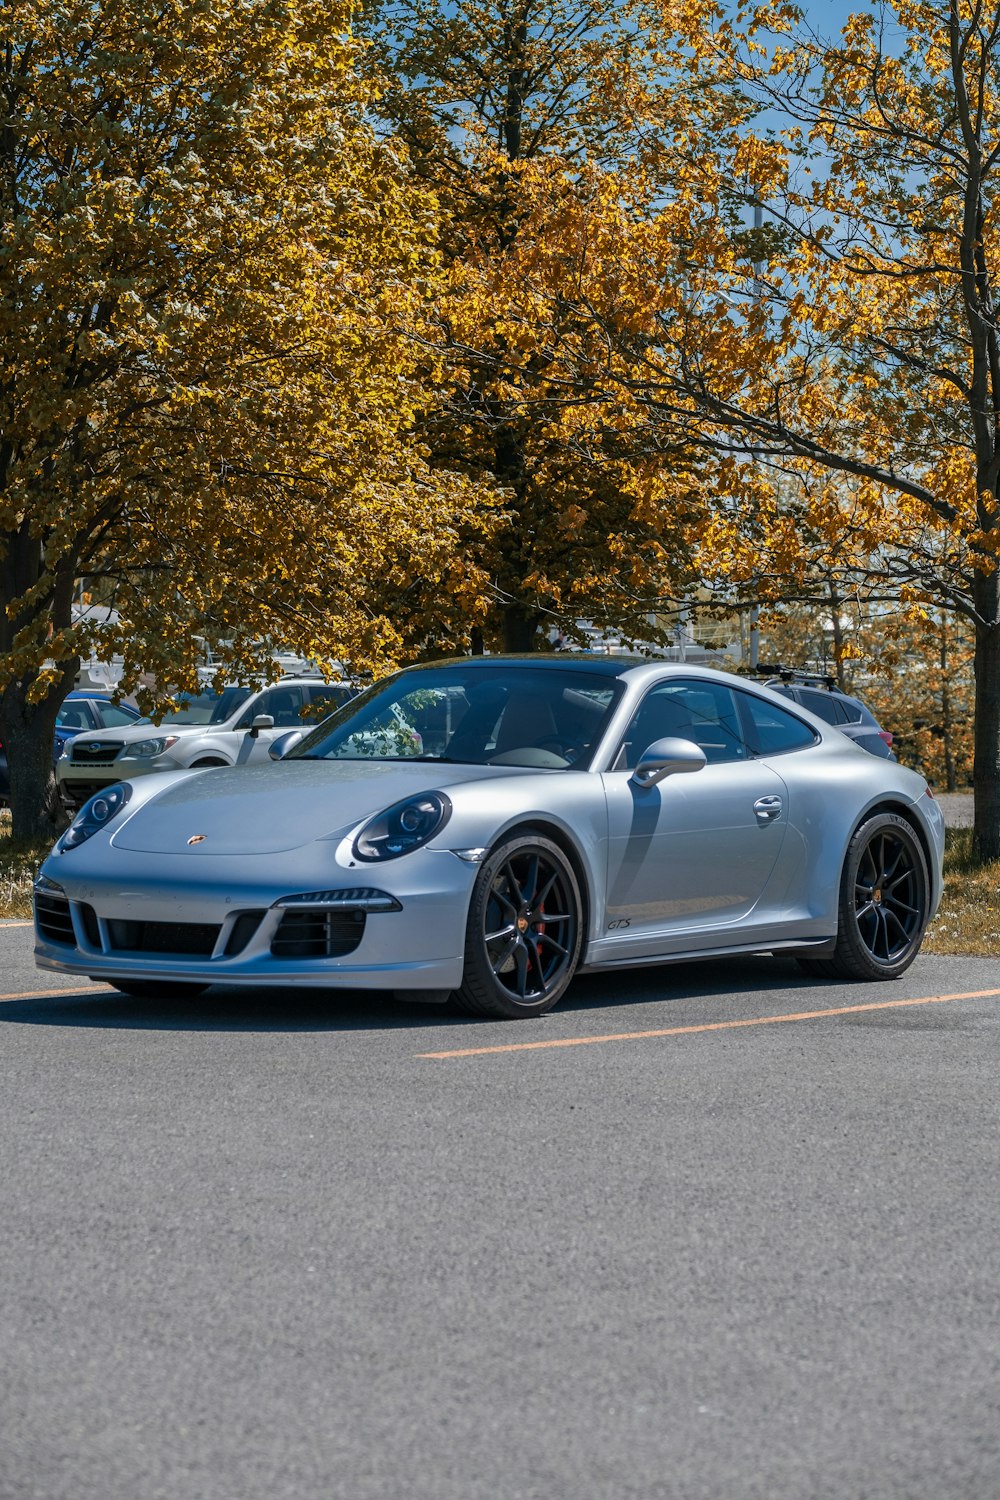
{"x":766,"y":809}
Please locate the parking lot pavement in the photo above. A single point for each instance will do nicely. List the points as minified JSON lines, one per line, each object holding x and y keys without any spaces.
{"x":957,"y":808}
{"x":726,"y":1232}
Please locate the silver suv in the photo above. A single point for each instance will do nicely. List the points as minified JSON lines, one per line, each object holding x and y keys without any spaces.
{"x":230,"y":728}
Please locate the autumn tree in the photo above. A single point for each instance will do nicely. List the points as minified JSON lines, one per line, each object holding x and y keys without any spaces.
{"x":204,"y":411}
{"x":529,"y":121}
{"x":854,"y":332}
{"x":911,"y":666}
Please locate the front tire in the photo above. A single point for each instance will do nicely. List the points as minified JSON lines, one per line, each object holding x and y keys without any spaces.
{"x":524,"y":932}
{"x":157,"y":989}
{"x":884,"y":902}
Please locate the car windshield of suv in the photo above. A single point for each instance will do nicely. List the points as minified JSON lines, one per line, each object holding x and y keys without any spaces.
{"x":503,"y":714}
{"x":207,"y":707}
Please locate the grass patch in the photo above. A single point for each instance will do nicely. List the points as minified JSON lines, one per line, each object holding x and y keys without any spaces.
{"x":968,"y":922}
{"x":969,"y":919}
{"x":19,"y":860}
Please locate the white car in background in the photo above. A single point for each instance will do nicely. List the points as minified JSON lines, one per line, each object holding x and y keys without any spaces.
{"x":233,"y":727}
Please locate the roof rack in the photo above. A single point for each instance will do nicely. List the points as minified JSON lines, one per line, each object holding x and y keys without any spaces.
{"x":795,"y":674}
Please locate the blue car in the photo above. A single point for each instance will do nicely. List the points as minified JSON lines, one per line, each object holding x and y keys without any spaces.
{"x":81,"y":711}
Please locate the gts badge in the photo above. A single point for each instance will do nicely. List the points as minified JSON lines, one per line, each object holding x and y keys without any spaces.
{"x":619,"y":923}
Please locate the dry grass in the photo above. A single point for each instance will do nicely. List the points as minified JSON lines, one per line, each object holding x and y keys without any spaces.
{"x":969,"y":919}
{"x":18,"y":863}
{"x":968,"y":922}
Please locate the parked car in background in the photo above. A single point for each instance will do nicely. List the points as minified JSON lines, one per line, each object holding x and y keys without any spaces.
{"x":541,"y":815}
{"x":822,"y":697}
{"x":81,"y":710}
{"x":205,"y":729}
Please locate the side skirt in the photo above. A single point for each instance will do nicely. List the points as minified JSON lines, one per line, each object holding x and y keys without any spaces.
{"x":793,"y":948}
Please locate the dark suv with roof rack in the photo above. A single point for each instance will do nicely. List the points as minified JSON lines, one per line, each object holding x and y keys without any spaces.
{"x":822,"y":697}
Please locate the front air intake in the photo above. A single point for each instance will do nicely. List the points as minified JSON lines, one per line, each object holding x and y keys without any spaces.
{"x":184,"y":939}
{"x":318,"y":933}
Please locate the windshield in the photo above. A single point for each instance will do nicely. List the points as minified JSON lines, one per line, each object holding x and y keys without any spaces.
{"x":207,"y":707}
{"x":502,"y":714}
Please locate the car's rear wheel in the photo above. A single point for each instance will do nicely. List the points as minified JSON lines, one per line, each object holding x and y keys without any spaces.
{"x":524,"y":931}
{"x":884,"y":902}
{"x":157,"y":989}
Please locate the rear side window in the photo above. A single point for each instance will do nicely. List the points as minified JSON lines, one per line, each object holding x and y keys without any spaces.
{"x":857,"y":713}
{"x":823,"y":705}
{"x":773,"y":731}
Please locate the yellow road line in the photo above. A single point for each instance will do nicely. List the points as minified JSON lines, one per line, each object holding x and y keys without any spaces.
{"x":15,"y":922}
{"x":97,"y":989}
{"x":635,"y":1036}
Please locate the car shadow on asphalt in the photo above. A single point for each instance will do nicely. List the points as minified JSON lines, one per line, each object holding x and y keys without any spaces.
{"x":225,"y":1008}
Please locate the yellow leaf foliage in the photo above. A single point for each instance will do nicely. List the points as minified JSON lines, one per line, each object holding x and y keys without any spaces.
{"x":206,"y":397}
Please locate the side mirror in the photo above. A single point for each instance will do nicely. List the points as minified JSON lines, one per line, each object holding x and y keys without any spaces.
{"x":667,"y":757}
{"x":280,"y":747}
{"x":261,"y":721}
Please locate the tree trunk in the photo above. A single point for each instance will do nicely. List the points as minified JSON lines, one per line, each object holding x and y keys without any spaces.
{"x":520,"y":627}
{"x":986,"y":772}
{"x":27,"y":731}
{"x":947,"y":726}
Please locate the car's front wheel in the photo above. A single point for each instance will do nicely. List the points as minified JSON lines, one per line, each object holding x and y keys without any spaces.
{"x":884,"y":902}
{"x":524,"y":931}
{"x":157,"y":989}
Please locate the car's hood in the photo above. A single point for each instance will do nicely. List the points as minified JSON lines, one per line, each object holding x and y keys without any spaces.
{"x":131,"y":733}
{"x":282,"y":805}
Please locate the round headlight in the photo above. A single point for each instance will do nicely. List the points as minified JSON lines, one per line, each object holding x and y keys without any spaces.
{"x":402,"y":828}
{"x":95,"y":815}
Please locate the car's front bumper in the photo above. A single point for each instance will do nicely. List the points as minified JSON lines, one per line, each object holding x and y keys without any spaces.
{"x":79,"y":781}
{"x":140,"y":924}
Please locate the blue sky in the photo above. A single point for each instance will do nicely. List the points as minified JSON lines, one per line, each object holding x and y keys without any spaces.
{"x":828,"y":16}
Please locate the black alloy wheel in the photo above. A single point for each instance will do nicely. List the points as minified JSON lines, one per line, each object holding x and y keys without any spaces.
{"x":884,"y":902}
{"x":524,"y":931}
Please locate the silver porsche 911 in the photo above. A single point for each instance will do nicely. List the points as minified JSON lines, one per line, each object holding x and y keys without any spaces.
{"x":487,"y":828}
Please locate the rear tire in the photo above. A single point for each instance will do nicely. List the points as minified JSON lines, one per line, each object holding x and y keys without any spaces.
{"x":524,"y":932}
{"x":157,"y":989}
{"x":884,"y":902}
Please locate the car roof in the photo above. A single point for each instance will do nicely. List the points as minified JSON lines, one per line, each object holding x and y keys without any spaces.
{"x":582,"y":661}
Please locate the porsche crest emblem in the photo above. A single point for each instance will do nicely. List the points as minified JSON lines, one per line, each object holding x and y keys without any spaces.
{"x":197,"y":838}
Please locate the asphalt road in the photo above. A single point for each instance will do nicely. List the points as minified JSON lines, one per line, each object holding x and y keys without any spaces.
{"x":266,"y":1247}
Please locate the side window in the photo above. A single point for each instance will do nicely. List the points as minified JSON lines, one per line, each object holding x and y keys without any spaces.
{"x":284,"y":704}
{"x":113,"y":717}
{"x":701,"y":711}
{"x":325,"y":698}
{"x":73,"y":716}
{"x":855,"y":713}
{"x":773,"y":730}
{"x":823,"y":706}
